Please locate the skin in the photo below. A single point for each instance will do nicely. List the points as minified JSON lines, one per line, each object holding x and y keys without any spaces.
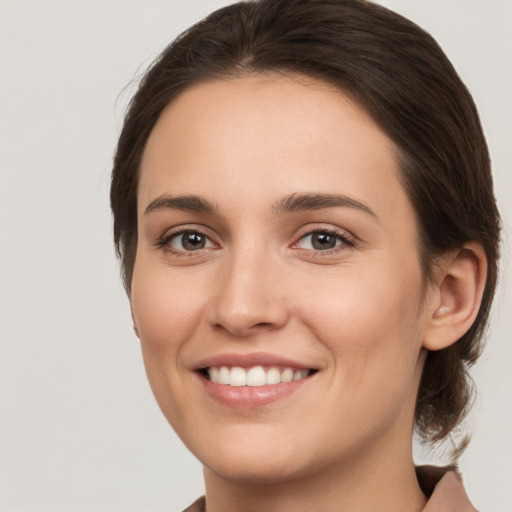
{"x":358,"y":313}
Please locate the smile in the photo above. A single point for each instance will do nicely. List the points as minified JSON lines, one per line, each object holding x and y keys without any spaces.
{"x":254,"y":376}
{"x":254,"y":380}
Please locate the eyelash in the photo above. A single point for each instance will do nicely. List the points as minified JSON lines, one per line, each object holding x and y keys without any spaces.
{"x":165,"y":241}
{"x":344,"y":238}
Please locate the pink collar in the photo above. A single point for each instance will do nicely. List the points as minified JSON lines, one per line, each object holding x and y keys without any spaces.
{"x":444,"y":486}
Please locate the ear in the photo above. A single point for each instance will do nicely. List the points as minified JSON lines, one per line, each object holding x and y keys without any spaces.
{"x":455,"y":300}
{"x":135,"y":328}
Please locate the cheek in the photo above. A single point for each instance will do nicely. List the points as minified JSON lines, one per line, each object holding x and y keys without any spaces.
{"x":374,"y":342}
{"x":370,"y":322}
{"x":165,"y":310}
{"x":163,"y":306}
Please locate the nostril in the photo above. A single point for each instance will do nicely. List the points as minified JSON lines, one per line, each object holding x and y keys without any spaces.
{"x":243,"y":327}
{"x":262,"y":325}
{"x":246,"y":303}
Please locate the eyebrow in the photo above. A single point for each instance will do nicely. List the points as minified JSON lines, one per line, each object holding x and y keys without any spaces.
{"x":187,"y":203}
{"x":291,"y":203}
{"x":302,"y":202}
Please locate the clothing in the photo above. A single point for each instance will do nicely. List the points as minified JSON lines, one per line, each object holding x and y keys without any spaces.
{"x":443,"y":486}
{"x":445,"y":489}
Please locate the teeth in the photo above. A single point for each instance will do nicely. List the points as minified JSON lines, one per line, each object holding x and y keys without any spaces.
{"x":287,"y":375}
{"x":223,"y":375}
{"x":300,"y":374}
{"x":214,"y":374}
{"x":273,"y":376}
{"x":254,"y":376}
{"x":237,"y":377}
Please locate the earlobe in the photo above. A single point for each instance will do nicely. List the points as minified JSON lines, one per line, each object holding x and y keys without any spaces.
{"x":457,"y":297}
{"x":135,"y":328}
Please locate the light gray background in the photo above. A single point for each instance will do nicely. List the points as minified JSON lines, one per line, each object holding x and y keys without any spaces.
{"x":79,"y":429}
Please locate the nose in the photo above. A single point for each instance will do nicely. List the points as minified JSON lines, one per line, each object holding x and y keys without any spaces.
{"x":250,"y":296}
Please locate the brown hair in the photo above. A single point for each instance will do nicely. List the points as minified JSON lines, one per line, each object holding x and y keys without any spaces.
{"x":398,"y":73}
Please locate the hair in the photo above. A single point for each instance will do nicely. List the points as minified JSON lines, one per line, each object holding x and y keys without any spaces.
{"x":396,"y":72}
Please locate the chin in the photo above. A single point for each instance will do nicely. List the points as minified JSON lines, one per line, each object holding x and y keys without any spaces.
{"x":258,"y":462}
{"x":264,"y":471}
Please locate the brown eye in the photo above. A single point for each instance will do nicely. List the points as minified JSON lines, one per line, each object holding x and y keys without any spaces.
{"x":189,"y":241}
{"x":323,"y":240}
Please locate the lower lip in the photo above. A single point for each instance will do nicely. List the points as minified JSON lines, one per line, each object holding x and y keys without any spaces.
{"x":250,"y":396}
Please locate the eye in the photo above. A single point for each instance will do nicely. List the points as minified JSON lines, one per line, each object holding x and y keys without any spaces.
{"x":322,"y":240}
{"x":187,"y":241}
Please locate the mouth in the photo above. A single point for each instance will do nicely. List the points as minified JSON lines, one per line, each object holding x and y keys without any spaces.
{"x":254,"y":376}
{"x":253,"y":380}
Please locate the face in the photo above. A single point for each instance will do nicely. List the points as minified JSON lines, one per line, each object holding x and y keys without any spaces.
{"x":277,"y":290}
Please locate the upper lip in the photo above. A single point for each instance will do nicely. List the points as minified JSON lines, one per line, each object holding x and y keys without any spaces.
{"x":249,"y":360}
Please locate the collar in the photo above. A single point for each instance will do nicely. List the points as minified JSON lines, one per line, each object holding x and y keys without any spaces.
{"x":444,"y":487}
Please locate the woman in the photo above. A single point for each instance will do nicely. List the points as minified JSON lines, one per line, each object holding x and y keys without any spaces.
{"x":304,"y":211}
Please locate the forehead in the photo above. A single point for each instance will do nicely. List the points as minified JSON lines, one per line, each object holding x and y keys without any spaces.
{"x":259,"y":137}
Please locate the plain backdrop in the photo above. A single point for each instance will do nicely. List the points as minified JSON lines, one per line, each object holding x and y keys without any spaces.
{"x":79,"y":428}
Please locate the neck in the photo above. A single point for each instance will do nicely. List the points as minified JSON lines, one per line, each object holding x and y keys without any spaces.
{"x":374,"y":482}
